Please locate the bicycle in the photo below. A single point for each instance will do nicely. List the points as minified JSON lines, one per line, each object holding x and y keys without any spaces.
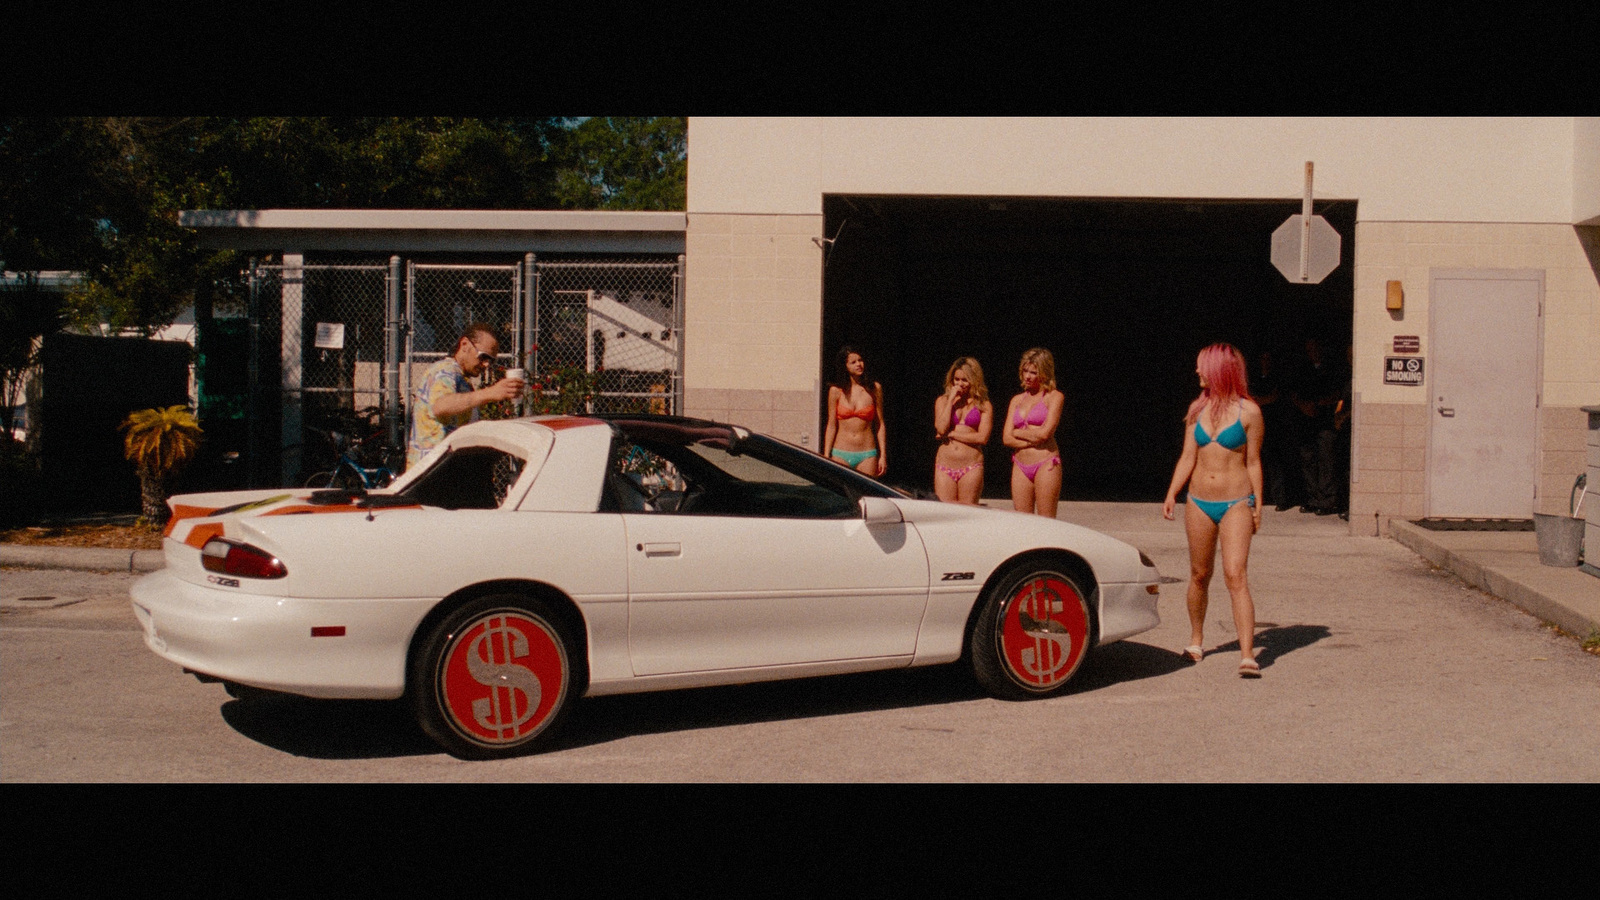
{"x":350,"y":471}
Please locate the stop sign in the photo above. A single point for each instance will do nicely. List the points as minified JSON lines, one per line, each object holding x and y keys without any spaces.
{"x":1322,"y":250}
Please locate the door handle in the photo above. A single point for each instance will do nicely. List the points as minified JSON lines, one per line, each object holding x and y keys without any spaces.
{"x":1448,"y":412}
{"x":653,"y":550}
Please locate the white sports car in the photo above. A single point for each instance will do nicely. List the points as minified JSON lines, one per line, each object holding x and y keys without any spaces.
{"x":526,"y":563}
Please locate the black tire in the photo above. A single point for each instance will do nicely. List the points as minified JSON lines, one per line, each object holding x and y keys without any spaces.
{"x":477,"y":708}
{"x":320,"y":480}
{"x":1035,"y":628}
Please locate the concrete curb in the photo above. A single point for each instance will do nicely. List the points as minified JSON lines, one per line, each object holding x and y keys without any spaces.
{"x":1567,"y":598}
{"x":94,"y":559}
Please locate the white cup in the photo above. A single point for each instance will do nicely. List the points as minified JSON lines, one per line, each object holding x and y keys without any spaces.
{"x":517,"y":374}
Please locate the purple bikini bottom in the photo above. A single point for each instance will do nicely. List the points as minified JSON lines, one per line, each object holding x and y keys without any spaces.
{"x":1033,"y":470}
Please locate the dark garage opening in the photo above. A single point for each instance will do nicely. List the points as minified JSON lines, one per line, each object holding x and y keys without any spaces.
{"x":1123,"y":292}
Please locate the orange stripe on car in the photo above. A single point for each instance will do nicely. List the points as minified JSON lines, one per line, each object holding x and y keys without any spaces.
{"x":570,"y":422}
{"x":180,"y":511}
{"x":198,"y":535}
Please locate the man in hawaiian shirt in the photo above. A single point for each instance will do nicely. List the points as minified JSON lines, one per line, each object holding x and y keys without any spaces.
{"x":446,"y":401}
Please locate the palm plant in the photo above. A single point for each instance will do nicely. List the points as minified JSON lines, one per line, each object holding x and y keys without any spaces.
{"x":159,"y":443}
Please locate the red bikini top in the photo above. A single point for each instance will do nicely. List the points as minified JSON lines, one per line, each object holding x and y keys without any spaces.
{"x":866,"y":413}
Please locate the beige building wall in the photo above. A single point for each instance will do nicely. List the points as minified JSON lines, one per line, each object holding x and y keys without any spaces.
{"x":753,"y":322}
{"x":1390,"y":433}
{"x":1433,"y":193}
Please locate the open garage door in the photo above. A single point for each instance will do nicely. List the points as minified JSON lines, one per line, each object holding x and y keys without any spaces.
{"x":1124,"y":293}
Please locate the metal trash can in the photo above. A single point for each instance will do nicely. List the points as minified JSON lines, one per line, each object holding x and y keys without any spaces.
{"x":1560,"y":539}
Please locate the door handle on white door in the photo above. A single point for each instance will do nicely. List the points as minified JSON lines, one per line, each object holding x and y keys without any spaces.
{"x":1448,"y":412}
{"x":662,"y":549}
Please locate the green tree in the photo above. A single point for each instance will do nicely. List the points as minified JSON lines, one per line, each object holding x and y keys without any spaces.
{"x":101,"y":195}
{"x":624,"y":163}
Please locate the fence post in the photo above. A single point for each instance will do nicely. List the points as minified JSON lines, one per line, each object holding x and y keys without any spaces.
{"x":680,"y":288}
{"x":530,"y":315}
{"x":391,"y":356}
{"x":253,"y":382}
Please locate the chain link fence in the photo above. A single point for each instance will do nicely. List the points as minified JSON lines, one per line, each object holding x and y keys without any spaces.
{"x":321,"y":351}
{"x":620,"y":320}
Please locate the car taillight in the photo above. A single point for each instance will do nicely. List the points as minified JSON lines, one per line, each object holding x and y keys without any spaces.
{"x":234,"y":558}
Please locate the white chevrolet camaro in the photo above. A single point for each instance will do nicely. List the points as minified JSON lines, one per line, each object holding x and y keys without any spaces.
{"x":530,"y":562}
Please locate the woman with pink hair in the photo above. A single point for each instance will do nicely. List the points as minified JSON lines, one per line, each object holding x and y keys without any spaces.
{"x":1221,"y":466}
{"x":1030,"y":432}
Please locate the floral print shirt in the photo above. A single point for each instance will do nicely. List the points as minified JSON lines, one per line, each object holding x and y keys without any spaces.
{"x":427,"y":430}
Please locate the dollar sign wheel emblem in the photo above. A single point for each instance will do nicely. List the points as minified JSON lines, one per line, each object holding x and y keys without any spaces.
{"x":1033,"y":634}
{"x":500,"y":675}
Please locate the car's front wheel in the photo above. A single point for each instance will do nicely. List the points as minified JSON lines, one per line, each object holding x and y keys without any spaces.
{"x":1033,"y":632}
{"x":494,"y":677}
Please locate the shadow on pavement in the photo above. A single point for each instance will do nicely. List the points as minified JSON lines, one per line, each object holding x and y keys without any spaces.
{"x":329,"y":729}
{"x":360,"y":729}
{"x":1280,"y":640}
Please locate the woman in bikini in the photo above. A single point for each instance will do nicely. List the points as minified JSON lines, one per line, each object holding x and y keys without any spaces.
{"x":1030,"y":432}
{"x":856,"y":435}
{"x":1221,"y":464}
{"x":962,"y":420}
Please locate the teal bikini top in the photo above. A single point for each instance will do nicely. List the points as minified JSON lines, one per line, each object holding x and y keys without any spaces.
{"x":1231,"y":438}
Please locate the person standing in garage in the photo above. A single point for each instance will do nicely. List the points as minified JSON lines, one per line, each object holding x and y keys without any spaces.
{"x":1316,"y":397}
{"x":856,"y":435}
{"x":962,"y":420}
{"x":1030,"y":432}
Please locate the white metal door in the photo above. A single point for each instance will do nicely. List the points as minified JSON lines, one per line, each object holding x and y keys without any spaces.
{"x":1484,"y":392}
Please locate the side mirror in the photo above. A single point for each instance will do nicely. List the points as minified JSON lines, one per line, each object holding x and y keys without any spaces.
{"x":880,"y":511}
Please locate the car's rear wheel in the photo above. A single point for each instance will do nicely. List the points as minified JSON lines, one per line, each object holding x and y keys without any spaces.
{"x":494,"y":678}
{"x":1033,"y":632}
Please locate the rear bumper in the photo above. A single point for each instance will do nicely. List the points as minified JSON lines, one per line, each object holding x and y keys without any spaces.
{"x":267,"y":642}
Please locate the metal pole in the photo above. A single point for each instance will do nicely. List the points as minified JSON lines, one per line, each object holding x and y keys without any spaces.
{"x":253,"y":383}
{"x":410,"y":332}
{"x":530,"y":314}
{"x":391,"y":356}
{"x":677,"y":332}
{"x":1305,"y":227}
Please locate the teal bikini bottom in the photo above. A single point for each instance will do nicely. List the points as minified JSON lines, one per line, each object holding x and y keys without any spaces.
{"x":1216,"y":509}
{"x":853,"y":458}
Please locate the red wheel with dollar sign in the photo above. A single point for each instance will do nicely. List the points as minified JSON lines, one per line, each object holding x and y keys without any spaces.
{"x":1034,"y":629}
{"x":493,"y":678}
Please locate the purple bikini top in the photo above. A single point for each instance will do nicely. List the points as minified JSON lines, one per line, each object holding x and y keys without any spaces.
{"x":1034,"y":416}
{"x":972,"y":418}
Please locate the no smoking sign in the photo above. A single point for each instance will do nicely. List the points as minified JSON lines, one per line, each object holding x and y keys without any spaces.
{"x":1402,"y":370}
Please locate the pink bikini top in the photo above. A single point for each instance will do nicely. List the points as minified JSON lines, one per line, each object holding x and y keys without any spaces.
{"x":973,"y":417}
{"x":1034,"y":416}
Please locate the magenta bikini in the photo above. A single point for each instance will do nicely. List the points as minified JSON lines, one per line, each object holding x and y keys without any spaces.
{"x":1034,"y":416}
{"x":972,"y":419}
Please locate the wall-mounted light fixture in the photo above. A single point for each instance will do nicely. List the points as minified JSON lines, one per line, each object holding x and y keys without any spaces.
{"x":1396,"y":296}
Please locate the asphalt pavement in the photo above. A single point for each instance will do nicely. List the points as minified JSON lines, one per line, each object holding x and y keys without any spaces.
{"x":1378,"y":666}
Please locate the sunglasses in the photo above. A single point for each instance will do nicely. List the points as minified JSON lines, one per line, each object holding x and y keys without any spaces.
{"x":483,"y":357}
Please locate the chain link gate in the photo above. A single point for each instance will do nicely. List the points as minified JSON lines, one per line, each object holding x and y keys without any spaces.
{"x":619,"y":322}
{"x":443,"y":299}
{"x":327,"y":323}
